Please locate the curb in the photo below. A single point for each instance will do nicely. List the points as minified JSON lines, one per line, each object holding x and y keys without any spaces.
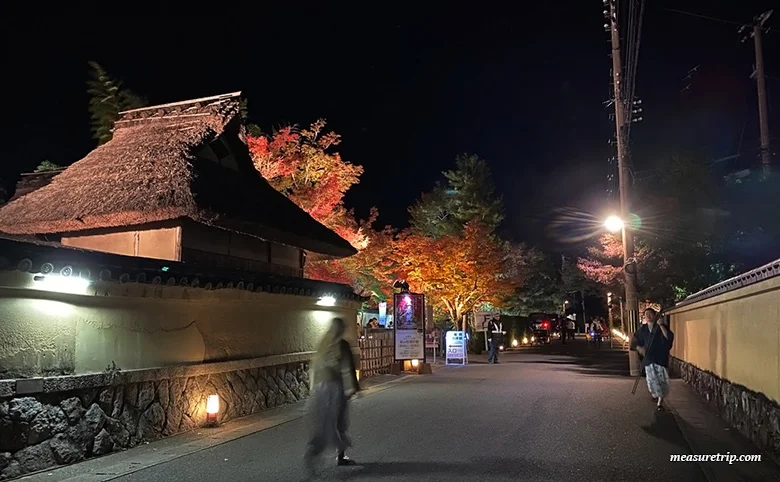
{"x":706,"y":470}
{"x":120,"y":464}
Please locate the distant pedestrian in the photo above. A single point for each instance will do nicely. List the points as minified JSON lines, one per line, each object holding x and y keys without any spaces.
{"x":495,"y":334}
{"x":654,"y":341}
{"x":334,"y":381}
{"x":571,"y":328}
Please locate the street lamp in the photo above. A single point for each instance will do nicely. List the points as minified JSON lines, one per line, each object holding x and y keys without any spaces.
{"x":617,"y":224}
{"x":614,"y":224}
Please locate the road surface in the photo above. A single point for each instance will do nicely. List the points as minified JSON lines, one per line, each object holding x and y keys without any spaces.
{"x":562,"y":413}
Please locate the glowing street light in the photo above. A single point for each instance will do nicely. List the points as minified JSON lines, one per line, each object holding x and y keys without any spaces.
{"x":614,"y":224}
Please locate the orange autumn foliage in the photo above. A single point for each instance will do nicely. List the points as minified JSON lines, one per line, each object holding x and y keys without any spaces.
{"x":457,"y":273}
{"x":301,"y":165}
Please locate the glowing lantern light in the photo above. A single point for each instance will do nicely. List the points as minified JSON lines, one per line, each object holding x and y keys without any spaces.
{"x":514,"y":342}
{"x":212,"y":409}
{"x":525,"y":340}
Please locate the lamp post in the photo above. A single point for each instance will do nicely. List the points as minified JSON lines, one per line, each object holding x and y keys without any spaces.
{"x":615,"y":224}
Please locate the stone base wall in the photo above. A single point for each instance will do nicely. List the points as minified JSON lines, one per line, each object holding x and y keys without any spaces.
{"x":52,"y":428}
{"x":753,"y":414}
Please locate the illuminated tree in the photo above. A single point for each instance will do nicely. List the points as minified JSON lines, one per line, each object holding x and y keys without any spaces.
{"x":535,"y":278}
{"x":107,"y":99}
{"x":456,"y":272}
{"x":469,"y":195}
{"x":300,"y":164}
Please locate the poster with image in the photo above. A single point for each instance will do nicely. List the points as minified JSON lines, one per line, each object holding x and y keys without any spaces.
{"x":409,"y":326}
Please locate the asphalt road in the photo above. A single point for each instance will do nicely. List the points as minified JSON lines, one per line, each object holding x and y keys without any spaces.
{"x":562,"y":413}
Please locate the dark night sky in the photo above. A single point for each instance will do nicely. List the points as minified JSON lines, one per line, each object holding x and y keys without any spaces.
{"x":408,"y":87}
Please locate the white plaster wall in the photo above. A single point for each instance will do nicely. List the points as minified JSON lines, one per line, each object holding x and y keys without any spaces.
{"x":145,"y":326}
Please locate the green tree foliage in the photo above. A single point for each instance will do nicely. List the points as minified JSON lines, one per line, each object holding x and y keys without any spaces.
{"x":47,"y":166}
{"x":679,"y":239}
{"x":107,"y":99}
{"x":535,"y":277}
{"x":469,"y":195}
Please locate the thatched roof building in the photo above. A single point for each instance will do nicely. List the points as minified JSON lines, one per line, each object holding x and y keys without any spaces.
{"x":169,"y":167}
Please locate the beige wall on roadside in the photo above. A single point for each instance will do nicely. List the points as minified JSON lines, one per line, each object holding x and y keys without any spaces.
{"x":735,"y":335}
{"x":145,"y":326}
{"x":152,"y":242}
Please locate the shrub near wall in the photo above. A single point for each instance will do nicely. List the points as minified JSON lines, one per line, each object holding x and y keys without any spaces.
{"x":77,"y":417}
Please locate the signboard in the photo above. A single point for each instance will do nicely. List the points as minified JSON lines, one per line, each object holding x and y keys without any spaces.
{"x":383,"y":313}
{"x":456,"y":348}
{"x":409,"y":326}
{"x":482,"y":318}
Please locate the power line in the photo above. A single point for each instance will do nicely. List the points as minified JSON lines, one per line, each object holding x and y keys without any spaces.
{"x":691,"y":14}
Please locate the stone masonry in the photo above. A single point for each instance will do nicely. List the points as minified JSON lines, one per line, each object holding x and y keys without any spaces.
{"x":48,"y":429}
{"x":753,"y":414}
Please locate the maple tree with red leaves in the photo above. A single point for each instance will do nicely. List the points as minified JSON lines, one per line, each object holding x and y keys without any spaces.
{"x":298,"y":163}
{"x":604,"y":265}
{"x":301,"y":165}
{"x":457,"y":272}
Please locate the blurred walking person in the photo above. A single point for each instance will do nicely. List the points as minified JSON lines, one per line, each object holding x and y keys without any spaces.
{"x":334,"y":381}
{"x":654,"y":341}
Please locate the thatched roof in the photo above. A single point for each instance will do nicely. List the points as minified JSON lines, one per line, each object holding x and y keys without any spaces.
{"x":150,"y":171}
{"x":29,"y":182}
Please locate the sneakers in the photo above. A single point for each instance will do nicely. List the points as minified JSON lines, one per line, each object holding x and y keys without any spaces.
{"x":344,"y":461}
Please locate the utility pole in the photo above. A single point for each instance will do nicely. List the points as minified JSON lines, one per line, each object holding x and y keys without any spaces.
{"x":755,"y":31}
{"x":624,"y":179}
{"x":763,"y":113}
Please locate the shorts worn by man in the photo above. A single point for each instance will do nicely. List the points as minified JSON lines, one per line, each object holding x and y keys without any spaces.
{"x":654,"y":342}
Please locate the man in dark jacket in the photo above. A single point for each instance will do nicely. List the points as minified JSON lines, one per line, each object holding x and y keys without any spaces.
{"x":654,"y":341}
{"x":495,"y":334}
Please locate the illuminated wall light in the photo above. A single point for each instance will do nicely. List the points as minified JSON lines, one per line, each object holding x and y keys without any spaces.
{"x":415,"y":363}
{"x":62,"y":284}
{"x":326,"y":301}
{"x":357,"y":374}
{"x":53,"y":308}
{"x":514,"y":342}
{"x":525,"y":341}
{"x":212,"y":409}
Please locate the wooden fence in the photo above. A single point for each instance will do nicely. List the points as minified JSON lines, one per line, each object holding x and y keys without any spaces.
{"x":376,"y":353}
